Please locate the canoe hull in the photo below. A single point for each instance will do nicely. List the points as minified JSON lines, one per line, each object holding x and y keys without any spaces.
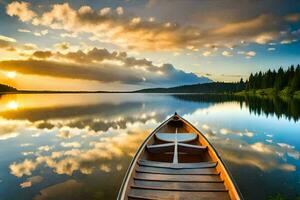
{"x":198,"y":171}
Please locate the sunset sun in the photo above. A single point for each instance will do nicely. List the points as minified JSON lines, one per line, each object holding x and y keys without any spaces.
{"x":13,"y":105}
{"x":11,"y":74}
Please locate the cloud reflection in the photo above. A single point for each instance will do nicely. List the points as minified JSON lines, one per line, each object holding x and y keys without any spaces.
{"x":263,"y":156}
{"x":110,"y":146}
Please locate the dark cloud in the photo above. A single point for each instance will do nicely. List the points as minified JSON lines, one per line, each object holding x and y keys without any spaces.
{"x":105,"y":73}
{"x":7,"y":43}
{"x":100,"y":65}
{"x":42,"y":54}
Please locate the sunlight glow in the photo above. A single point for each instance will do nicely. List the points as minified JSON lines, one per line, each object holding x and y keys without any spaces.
{"x":13,"y":105}
{"x":11,"y":74}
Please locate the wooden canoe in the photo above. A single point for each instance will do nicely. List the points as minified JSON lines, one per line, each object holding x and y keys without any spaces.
{"x":176,"y":161}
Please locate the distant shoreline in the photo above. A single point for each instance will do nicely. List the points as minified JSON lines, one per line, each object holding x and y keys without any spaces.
{"x":104,"y":92}
{"x":63,"y":92}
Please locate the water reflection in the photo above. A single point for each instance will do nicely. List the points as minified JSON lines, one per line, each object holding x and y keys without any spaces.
{"x":78,"y":146}
{"x":289,"y":107}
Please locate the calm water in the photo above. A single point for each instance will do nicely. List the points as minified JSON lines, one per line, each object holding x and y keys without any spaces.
{"x":78,"y":146}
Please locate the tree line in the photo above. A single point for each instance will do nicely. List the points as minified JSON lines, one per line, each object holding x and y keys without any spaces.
{"x":6,"y":88}
{"x":278,"y":80}
{"x":214,"y":87}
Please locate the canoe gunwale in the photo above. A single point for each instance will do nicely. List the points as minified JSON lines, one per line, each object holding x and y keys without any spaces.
{"x":125,"y":182}
{"x":231,"y":179}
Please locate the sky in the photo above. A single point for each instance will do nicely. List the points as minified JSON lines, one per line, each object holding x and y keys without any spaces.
{"x":134,"y":44}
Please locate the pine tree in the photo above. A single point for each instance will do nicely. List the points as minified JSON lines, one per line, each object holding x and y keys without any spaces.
{"x":290,"y":75}
{"x":279,"y":81}
{"x":295,"y":85}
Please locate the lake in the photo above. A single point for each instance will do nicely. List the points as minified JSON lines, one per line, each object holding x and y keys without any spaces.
{"x":78,"y":146}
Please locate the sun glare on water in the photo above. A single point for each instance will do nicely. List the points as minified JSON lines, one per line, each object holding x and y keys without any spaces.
{"x":13,"y":105}
{"x":11,"y":74}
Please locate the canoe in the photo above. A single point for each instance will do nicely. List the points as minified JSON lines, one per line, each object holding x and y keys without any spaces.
{"x":176,"y":161}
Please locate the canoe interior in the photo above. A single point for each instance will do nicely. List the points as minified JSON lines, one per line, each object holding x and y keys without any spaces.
{"x":171,"y":127}
{"x":196,"y":173}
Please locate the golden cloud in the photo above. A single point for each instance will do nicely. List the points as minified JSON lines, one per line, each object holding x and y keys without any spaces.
{"x":23,"y":168}
{"x":20,"y":9}
{"x":113,"y":26}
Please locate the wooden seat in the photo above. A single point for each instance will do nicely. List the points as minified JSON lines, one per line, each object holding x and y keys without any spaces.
{"x":181,"y":137}
{"x":157,"y":170}
{"x":178,"y":165}
{"x":179,"y":185}
{"x":160,"y":148}
{"x":169,"y":147}
{"x":177,"y":178}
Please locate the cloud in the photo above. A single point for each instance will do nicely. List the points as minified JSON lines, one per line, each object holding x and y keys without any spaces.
{"x":7,"y":43}
{"x":31,"y":181}
{"x":71,"y":144}
{"x":101,"y":65}
{"x":42,"y":54}
{"x":225,"y":131}
{"x":69,"y":35}
{"x":248,"y":54}
{"x":26,"y":144}
{"x":7,"y":39}
{"x":41,"y":33}
{"x":62,"y":45}
{"x":101,"y":152}
{"x":271,"y":49}
{"x":287,"y":146}
{"x":25,"y":184}
{"x":263,"y":156}
{"x":206,"y":53}
{"x":45,"y":148}
{"x":24,"y":30}
{"x":114,"y":26}
{"x":29,"y":47}
{"x":227,"y":53}
{"x":23,"y":168}
{"x":288,"y":41}
{"x":11,"y":44}
{"x":67,"y":132}
{"x":8,"y":136}
{"x":20,"y":9}
{"x":10,"y":129}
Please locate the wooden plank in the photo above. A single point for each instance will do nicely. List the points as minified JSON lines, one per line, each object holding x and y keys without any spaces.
{"x":160,"y":194}
{"x":177,"y":166}
{"x":156,"y":170}
{"x":191,"y":149}
{"x":135,"y":197}
{"x":179,"y":189}
{"x":179,"y":185}
{"x":175,"y":155}
{"x":161,"y":148}
{"x":177,"y":178}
